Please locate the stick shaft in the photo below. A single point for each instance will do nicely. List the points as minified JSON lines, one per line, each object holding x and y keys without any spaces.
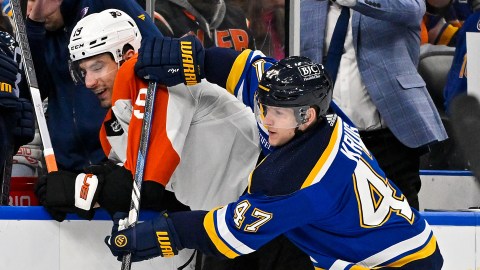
{"x":32,"y":82}
{"x":140,"y":166}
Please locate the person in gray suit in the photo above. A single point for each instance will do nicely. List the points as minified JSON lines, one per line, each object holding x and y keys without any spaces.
{"x":377,"y":83}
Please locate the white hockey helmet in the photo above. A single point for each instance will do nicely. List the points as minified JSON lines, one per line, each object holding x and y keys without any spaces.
{"x":106,"y":31}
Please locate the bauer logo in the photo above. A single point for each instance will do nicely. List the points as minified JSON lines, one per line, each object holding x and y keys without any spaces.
{"x":309,"y":72}
{"x":121,"y":240}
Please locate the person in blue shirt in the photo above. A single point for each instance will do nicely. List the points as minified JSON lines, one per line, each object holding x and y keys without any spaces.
{"x":74,"y":117}
{"x":320,"y":187}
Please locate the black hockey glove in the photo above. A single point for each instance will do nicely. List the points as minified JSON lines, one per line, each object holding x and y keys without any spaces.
{"x":145,"y":240}
{"x":171,"y":61}
{"x":64,"y":192}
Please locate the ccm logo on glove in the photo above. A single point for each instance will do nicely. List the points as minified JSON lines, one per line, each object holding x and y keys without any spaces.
{"x":187,"y":62}
{"x":165,"y":245}
{"x":85,"y":187}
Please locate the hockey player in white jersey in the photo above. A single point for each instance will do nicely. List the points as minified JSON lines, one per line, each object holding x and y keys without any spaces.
{"x":203,"y":141}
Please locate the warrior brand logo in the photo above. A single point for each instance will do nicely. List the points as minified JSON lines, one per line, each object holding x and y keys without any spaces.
{"x":187,"y":62}
{"x":141,"y":17}
{"x":5,"y":87}
{"x":121,"y":240}
{"x":165,"y":245}
{"x":309,"y":72}
{"x":85,"y":187}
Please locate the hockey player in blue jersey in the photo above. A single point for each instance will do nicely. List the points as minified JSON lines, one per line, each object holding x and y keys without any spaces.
{"x":321,"y":188}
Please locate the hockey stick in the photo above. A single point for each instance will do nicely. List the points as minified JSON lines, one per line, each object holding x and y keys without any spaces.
{"x":32,"y":82}
{"x":139,"y":170}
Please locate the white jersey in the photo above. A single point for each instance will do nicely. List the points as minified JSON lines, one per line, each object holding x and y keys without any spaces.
{"x":203,"y":142}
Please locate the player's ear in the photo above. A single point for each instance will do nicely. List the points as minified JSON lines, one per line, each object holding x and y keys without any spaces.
{"x":311,"y":118}
{"x":128,"y":54}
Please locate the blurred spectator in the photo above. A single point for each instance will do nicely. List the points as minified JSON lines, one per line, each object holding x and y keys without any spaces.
{"x":16,"y":111}
{"x":457,"y":77}
{"x":442,"y":21}
{"x":268,"y":26}
{"x":214,"y":22}
{"x":73,"y":121}
{"x":377,"y":83}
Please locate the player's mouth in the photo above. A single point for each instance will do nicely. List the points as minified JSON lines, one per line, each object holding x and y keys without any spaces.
{"x":99,"y":93}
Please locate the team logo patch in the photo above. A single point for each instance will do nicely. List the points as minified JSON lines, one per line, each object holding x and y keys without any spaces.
{"x":121,"y":240}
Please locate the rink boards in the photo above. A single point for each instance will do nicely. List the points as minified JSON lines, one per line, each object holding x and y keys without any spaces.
{"x":29,"y":239}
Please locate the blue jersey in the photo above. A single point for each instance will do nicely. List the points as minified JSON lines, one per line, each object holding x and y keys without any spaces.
{"x":242,"y":81}
{"x":326,"y":193}
{"x":457,"y":76}
{"x":323,"y":190}
{"x":333,"y":204}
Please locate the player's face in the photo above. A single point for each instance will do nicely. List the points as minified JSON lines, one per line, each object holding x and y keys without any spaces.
{"x":100,"y":72}
{"x":279,"y":122}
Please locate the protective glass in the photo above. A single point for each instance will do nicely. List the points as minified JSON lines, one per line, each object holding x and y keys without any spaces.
{"x":279,"y":117}
{"x":93,"y":69}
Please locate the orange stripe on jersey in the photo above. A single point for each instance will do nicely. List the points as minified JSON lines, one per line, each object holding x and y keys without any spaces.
{"x":162,"y":159}
{"x":103,"y":135}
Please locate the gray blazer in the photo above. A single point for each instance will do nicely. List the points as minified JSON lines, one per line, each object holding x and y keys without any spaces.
{"x":386,"y":38}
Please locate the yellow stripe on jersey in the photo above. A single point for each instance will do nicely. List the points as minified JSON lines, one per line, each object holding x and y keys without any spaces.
{"x":358,"y":267}
{"x":426,"y":251}
{"x":237,"y":70}
{"x":334,"y":141}
{"x":209,"y":225}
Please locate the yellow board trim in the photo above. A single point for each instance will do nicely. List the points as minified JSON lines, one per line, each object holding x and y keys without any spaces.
{"x":209,"y":225}
{"x":236,"y":71}
{"x":323,"y":158}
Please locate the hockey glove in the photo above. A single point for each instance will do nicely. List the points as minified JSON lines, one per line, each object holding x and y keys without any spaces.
{"x":8,"y":76}
{"x":65,"y":192}
{"x":171,"y":61}
{"x":145,"y":240}
{"x":24,"y":132}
